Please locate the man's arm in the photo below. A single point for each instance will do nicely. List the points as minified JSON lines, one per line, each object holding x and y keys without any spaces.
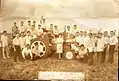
{"x":31,"y":54}
{"x":23,"y":54}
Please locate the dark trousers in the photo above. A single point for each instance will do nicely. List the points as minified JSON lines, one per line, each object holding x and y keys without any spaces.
{"x":104,"y":54}
{"x":17,"y":53}
{"x":90,"y":58}
{"x":111,"y":54}
{"x":99,"y":57}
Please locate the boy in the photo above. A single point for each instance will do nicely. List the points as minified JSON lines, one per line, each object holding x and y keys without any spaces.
{"x":82,"y":53}
{"x":17,"y":49}
{"x":4,"y":40}
{"x":60,"y":45}
{"x":26,"y":52}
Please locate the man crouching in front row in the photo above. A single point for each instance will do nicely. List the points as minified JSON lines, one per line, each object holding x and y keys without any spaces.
{"x":26,"y":53}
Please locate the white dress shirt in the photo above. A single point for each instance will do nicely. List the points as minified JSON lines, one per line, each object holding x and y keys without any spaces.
{"x":82,"y":53}
{"x":113,"y":40}
{"x":106,"y":40}
{"x":100,"y":44}
{"x":89,"y":43}
{"x":28,"y":40}
{"x":22,"y":42}
{"x":4,"y":40}
{"x":16,"y":41}
{"x":22,"y":29}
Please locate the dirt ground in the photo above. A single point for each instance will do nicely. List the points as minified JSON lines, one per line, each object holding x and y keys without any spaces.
{"x":28,"y":70}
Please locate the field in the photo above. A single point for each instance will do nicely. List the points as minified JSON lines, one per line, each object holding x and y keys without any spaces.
{"x":28,"y":70}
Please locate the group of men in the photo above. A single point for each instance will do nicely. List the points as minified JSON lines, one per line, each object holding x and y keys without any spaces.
{"x":86,"y":44}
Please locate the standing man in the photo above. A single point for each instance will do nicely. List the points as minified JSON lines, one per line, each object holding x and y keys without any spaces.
{"x":22,"y":41}
{"x":100,"y":49}
{"x":90,"y":46}
{"x":14,"y":30}
{"x":55,"y":31}
{"x":17,"y":49}
{"x":106,"y":42}
{"x":113,"y":44}
{"x":75,"y":29}
{"x":43,"y":24}
{"x":4,"y":40}
{"x":29,"y":26}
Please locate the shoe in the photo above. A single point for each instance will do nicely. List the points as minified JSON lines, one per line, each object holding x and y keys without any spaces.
{"x":4,"y":57}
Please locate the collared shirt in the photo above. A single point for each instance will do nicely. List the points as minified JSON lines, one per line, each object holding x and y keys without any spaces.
{"x":28,"y":27}
{"x":81,"y":40}
{"x":113,"y":40}
{"x":26,"y":51}
{"x":89,"y":43}
{"x":16,"y":41}
{"x":28,"y":40}
{"x":106,"y":40}
{"x":77,"y":39}
{"x":22,"y":42}
{"x":100,"y":44}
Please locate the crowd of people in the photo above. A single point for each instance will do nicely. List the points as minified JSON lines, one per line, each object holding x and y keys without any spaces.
{"x":85,"y":43}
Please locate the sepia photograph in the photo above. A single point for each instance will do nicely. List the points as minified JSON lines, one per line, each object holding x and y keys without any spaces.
{"x":59,"y":40}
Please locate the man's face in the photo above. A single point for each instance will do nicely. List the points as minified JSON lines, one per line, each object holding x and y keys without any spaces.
{"x":22,"y":23}
{"x":90,"y":35}
{"x":77,"y":33}
{"x":82,"y":47}
{"x":75,"y":27}
{"x":29,"y":23}
{"x":17,"y":35}
{"x":15,"y":23}
{"x":81,"y":33}
{"x":22,"y":34}
{"x":29,"y":33}
{"x":111,"y":33}
{"x":33,"y":27}
{"x":39,"y":26}
{"x":68,"y":27}
{"x":85,"y":33}
{"x":55,"y":27}
{"x":5,"y":33}
{"x":51,"y":26}
{"x":105,"y":33}
{"x":34,"y":22}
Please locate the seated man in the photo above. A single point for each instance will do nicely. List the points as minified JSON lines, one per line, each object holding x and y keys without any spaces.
{"x":36,"y":50}
{"x":26,"y":52}
{"x":82,"y":54}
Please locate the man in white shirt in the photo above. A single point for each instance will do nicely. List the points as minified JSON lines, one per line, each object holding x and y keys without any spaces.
{"x":28,"y":27}
{"x":112,"y":46}
{"x":28,"y":38}
{"x":81,"y":38}
{"x":39,"y":30}
{"x":90,"y":46}
{"x":77,"y":37}
{"x":75,"y":29}
{"x":22,"y":27}
{"x":17,"y":49}
{"x":100,"y":48}
{"x":26,"y":52}
{"x":22,"y":40}
{"x":43,"y":24}
{"x":106,"y":42}
{"x":55,"y":31}
{"x":4,"y":40}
